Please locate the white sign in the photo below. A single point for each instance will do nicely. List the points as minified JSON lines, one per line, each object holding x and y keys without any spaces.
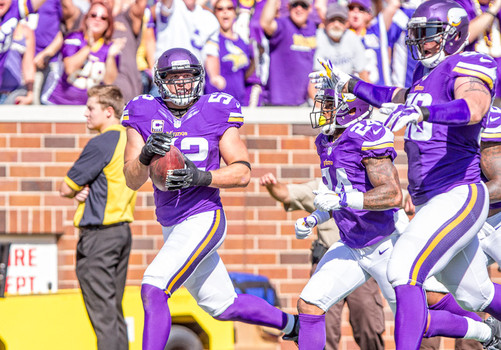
{"x":32,"y":268}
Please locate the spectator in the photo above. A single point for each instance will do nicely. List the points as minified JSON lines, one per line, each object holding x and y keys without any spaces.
{"x":49,"y":41}
{"x":146,"y":51}
{"x":90,"y":57}
{"x":292,"y":40}
{"x":11,"y":11}
{"x":228,"y":58}
{"x":128,"y":26}
{"x":104,"y":212}
{"x":365,"y":303}
{"x":373,"y":33}
{"x":17,"y":84}
{"x":183,"y":24}
{"x":341,"y":46}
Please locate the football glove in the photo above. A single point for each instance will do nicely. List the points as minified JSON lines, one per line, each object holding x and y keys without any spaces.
{"x":157,"y":143}
{"x":330,"y":77}
{"x":400,"y":115}
{"x":330,"y":200}
{"x":304,"y":226}
{"x":327,"y":201}
{"x":188,"y":177}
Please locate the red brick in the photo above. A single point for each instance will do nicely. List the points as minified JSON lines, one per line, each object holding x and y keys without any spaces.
{"x":9,"y":185}
{"x":36,"y":156}
{"x":56,"y":171}
{"x":8,"y":156}
{"x":273,"y":157}
{"x":3,"y":141}
{"x":273,"y":244}
{"x":305,"y":158}
{"x":8,"y":128}
{"x":24,"y":171}
{"x":70,"y":128}
{"x":59,"y":141}
{"x":247,"y":129}
{"x":66,"y":156}
{"x":273,"y":129}
{"x":24,"y":200}
{"x":261,"y":143}
{"x":296,"y":143}
{"x":36,"y":128}
{"x":25,"y":142}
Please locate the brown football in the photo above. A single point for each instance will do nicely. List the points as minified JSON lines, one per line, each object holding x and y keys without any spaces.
{"x":161,"y":167}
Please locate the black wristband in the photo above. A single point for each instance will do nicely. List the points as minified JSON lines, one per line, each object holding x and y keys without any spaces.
{"x":425,"y":112}
{"x":351,"y":84}
{"x":247,"y":164}
{"x":145,"y":159}
{"x":205,"y":178}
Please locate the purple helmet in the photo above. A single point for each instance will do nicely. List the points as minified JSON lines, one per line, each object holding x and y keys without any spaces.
{"x":349,"y":111}
{"x":175,"y":62}
{"x":442,"y":21}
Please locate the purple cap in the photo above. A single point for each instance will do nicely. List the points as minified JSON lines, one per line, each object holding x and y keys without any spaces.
{"x":366,"y":4}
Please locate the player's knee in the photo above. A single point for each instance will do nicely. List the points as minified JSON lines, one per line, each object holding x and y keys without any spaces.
{"x":305,"y":307}
{"x":477,"y":300}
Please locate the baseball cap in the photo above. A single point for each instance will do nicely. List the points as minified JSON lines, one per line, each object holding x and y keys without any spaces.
{"x":304,"y":1}
{"x":335,"y":10}
{"x":366,"y":4}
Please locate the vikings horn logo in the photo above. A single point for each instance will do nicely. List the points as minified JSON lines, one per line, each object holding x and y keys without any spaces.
{"x":455,"y":16}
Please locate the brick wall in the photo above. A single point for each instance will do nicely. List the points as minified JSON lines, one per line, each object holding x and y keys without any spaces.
{"x":38,"y":145}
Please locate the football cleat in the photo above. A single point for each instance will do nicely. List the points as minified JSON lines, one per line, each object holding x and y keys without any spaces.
{"x":494,"y":343}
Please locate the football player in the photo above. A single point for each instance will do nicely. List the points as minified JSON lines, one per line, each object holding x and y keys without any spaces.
{"x":450,"y":94}
{"x":356,"y":160}
{"x":361,"y":193}
{"x":205,"y":129}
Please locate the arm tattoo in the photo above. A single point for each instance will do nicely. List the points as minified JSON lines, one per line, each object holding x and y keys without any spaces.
{"x":490,"y":161}
{"x":474,"y":84}
{"x":400,"y":96}
{"x":384,"y":177}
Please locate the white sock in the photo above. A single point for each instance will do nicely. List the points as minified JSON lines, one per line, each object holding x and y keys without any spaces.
{"x":478,"y":330}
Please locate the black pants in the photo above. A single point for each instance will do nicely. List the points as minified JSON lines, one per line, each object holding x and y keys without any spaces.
{"x":102,"y":259}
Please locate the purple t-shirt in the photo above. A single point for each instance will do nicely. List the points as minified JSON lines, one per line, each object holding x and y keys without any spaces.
{"x":442,"y":157}
{"x":18,"y":9}
{"x":492,"y":133}
{"x":291,"y":60}
{"x":234,"y":58}
{"x":72,"y":90}
{"x":197,"y":134}
{"x":50,"y":16}
{"x":342,"y":170}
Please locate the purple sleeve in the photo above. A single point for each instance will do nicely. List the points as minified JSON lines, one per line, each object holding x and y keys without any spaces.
{"x":378,"y":141}
{"x":72,"y":44}
{"x":492,"y":131}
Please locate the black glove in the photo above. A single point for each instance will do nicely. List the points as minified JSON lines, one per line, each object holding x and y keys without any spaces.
{"x":157,"y":143}
{"x":188,"y":177}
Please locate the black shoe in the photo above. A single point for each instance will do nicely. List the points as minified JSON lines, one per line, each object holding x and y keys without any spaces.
{"x":294,"y":334}
{"x":494,"y":343}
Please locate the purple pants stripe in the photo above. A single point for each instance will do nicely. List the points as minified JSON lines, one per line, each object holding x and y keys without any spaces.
{"x":207,"y":244}
{"x":448,"y":234}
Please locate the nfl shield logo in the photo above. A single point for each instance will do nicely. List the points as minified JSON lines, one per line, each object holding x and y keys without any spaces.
{"x":177,"y":123}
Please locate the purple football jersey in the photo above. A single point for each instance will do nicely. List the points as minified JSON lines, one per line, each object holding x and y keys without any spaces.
{"x":72,"y":90}
{"x":492,"y":133}
{"x":291,"y":60}
{"x":442,"y":157}
{"x":342,"y":170}
{"x":18,"y":9}
{"x":234,"y":57}
{"x":50,"y":16}
{"x":196,"y":134}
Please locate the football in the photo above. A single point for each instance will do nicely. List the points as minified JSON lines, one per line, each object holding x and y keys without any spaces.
{"x":161,"y":167}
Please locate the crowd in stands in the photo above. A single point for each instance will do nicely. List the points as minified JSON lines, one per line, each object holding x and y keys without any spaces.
{"x":259,"y":51}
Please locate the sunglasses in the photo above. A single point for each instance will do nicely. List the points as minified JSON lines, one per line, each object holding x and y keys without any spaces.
{"x":230,"y":8}
{"x":302,"y":4}
{"x":95,"y":15}
{"x":351,"y":7}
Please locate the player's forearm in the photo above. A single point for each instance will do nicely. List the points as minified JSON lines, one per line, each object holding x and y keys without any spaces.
{"x":374,"y":94}
{"x":490,"y":161}
{"x":383,"y":198}
{"x":233,"y":175}
{"x":136,"y":174}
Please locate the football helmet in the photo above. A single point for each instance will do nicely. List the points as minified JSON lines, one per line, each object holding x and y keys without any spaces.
{"x":442,"y":21}
{"x":325,"y":115}
{"x":186,"y":89}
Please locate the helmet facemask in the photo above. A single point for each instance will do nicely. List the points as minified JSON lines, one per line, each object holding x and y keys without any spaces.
{"x":349,"y":111}
{"x":186,"y":82}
